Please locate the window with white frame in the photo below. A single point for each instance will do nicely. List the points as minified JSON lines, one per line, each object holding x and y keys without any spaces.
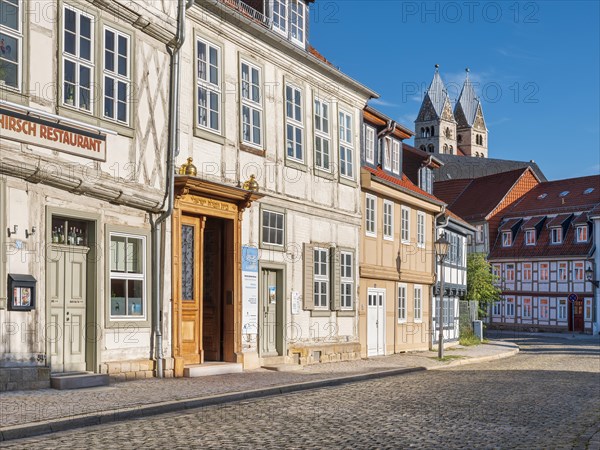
{"x":405,"y":224}
{"x":543,"y":309}
{"x":578,"y":271}
{"x":279,"y":16}
{"x":544,"y":271}
{"x":321,"y":277}
{"x":527,"y":308}
{"x":388,"y":220}
{"x":420,"y":229}
{"x":506,"y":239}
{"x":294,"y":123}
{"x":387,"y":153}
{"x":530,"y":237}
{"x":497,"y":273}
{"x":396,"y":157}
{"x":251,"y":105}
{"x":510,"y":307}
{"x":322,"y":138}
{"x":556,"y":235}
{"x":346,"y":279}
{"x":11,"y":43}
{"x":208,"y":85}
{"x":273,"y":228}
{"x":582,"y":233}
{"x":369,"y":144}
{"x":297,"y":21}
{"x":346,"y":146}
{"x":418,"y":292}
{"x":426,"y":179}
{"x":288,"y":17}
{"x":78,"y":59}
{"x":527,"y":271}
{"x":497,"y":308}
{"x":401,"y":302}
{"x":479,"y":234}
{"x":117,"y":76}
{"x":127,"y":276}
{"x":370,"y":214}
{"x":562,"y":271}
{"x":510,"y":272}
{"x":562,"y":309}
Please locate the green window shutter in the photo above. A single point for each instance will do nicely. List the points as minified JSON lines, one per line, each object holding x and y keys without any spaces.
{"x":336,"y":301}
{"x":309,"y":269}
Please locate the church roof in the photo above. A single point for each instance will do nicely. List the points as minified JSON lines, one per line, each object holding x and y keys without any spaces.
{"x":468,"y":102}
{"x":437,"y":93}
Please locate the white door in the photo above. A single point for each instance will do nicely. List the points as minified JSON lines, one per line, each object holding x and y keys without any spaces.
{"x":67,"y":295}
{"x":375,"y":322}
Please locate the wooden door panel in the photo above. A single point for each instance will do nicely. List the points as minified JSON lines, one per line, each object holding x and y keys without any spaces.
{"x":212,"y":299}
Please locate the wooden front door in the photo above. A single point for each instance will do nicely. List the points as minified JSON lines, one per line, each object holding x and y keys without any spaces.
{"x":67,"y":287}
{"x":191,"y":290}
{"x":212,"y":297}
{"x":375,"y":322}
{"x":576,"y":322}
{"x":272,"y":304}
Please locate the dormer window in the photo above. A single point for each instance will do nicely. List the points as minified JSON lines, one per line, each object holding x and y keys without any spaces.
{"x":582,"y":233}
{"x":289,"y":18}
{"x":530,"y":237}
{"x":387,"y":154}
{"x":506,"y":239}
{"x":556,"y":235}
{"x":426,"y":179}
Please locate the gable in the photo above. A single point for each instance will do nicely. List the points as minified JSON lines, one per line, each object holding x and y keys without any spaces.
{"x":479,"y":122}
{"x":427,"y":111}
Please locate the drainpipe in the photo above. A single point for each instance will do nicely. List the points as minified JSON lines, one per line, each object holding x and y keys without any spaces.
{"x":389,"y":129}
{"x":172,"y":151}
{"x":436,"y":228}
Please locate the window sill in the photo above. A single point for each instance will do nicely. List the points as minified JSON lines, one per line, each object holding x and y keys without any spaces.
{"x":295,"y":164}
{"x":323,"y":173}
{"x":347,"y":181}
{"x":401,"y":321}
{"x":272,"y":247}
{"x":212,"y":136}
{"x":82,"y":116}
{"x":253,"y":150}
{"x":14,"y":95}
{"x":346,"y":313}
{"x":320,"y":313}
{"x":371,"y":235}
{"x":418,"y":321}
{"x":388,"y":238}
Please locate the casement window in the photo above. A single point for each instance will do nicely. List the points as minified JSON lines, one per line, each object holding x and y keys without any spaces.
{"x":369,"y":144}
{"x":273,"y":228}
{"x":530,"y":237}
{"x":77,"y":59}
{"x":582,"y":233}
{"x":322,"y":137}
{"x":346,"y":146}
{"x":294,"y":123}
{"x":510,"y":272}
{"x":405,"y":225}
{"x":544,"y":271}
{"x":418,"y":297}
{"x":497,"y":308}
{"x":251,"y":105}
{"x":297,"y":21}
{"x":454,"y":248}
{"x":556,"y":235}
{"x":401,"y":302}
{"x":346,"y":280}
{"x":527,"y":308}
{"x":578,"y":271}
{"x":479,"y":234}
{"x":208,"y":85}
{"x":288,"y":17}
{"x":387,"y":153}
{"x":506,"y":239}
{"x":279,"y":16}
{"x":587,"y":311}
{"x":420,"y":229}
{"x":543,"y":309}
{"x":321,"y":277}
{"x":509,"y":307}
{"x":396,"y":157}
{"x":117,"y":75}
{"x":127,"y":276}
{"x":426,"y":179}
{"x":388,"y":220}
{"x":562,"y":271}
{"x":527,"y":271}
{"x":11,"y":43}
{"x":562,"y":309}
{"x":370,"y":214}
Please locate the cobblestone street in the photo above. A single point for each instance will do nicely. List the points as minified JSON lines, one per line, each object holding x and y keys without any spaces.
{"x":548,"y":396}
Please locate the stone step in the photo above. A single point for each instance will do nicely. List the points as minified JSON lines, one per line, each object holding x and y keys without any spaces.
{"x":78,"y":380}
{"x":211,"y":368}
{"x":272,"y":360}
{"x":283,"y":367}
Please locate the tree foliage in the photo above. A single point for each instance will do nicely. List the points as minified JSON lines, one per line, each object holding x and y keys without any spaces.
{"x":481,"y":282}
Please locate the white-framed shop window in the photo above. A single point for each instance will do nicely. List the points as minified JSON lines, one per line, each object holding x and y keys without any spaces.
{"x":208,"y":85}
{"x":127,"y":279}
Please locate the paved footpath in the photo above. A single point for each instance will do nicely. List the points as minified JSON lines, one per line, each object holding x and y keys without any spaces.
{"x":547,"y":396}
{"x":27,"y":413}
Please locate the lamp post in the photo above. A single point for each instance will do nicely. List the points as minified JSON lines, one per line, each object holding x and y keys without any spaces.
{"x":441,"y":251}
{"x":589,"y":276}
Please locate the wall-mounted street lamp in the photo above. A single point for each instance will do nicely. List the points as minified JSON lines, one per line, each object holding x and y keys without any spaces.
{"x":589,"y":276}
{"x":441,"y":251}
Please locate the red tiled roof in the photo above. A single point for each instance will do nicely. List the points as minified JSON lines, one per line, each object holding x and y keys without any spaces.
{"x":476,"y":198}
{"x":313,"y":51}
{"x":457,"y":218}
{"x":532,"y":222}
{"x":535,"y":200}
{"x":580,"y":219}
{"x":558,"y":220}
{"x":403,"y":182}
{"x":508,"y":224}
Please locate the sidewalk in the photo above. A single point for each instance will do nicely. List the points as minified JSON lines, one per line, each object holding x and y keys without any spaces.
{"x":30,"y":413}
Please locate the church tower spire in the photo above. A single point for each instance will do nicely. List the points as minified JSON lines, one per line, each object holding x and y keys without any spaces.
{"x":435,"y":127}
{"x":472,"y":134}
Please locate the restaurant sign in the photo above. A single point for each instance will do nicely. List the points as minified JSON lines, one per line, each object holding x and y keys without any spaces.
{"x":56,"y":136}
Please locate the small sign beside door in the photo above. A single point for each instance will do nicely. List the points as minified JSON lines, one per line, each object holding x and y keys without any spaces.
{"x":21,"y":292}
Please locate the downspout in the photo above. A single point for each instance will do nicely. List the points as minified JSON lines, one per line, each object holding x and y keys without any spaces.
{"x":436,"y":228}
{"x":172,"y":150}
{"x":389,"y":129}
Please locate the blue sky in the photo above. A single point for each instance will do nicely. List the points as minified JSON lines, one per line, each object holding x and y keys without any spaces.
{"x":536,"y":65}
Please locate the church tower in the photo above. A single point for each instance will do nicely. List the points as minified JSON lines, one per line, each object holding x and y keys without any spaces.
{"x":435,"y":127}
{"x":472,"y":134}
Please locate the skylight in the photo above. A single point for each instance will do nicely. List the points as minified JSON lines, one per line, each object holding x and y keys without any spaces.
{"x":563,"y":194}
{"x":542,"y":196}
{"x":588,"y":191}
